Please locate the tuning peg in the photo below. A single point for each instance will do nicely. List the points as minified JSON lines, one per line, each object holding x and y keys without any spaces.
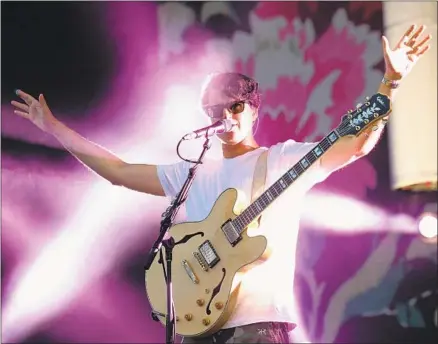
{"x":349,"y":111}
{"x":359,"y":105}
{"x":367,"y":98}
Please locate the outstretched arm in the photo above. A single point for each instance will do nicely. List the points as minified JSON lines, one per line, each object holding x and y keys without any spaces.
{"x":398,"y":63}
{"x":139,"y":177}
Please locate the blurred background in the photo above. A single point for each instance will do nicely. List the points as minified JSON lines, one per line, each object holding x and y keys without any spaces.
{"x":127,"y":75}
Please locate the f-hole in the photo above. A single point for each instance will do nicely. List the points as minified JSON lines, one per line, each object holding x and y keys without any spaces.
{"x":216,"y":291}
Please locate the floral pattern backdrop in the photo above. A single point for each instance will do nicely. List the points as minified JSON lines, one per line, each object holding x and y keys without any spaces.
{"x":314,"y":61}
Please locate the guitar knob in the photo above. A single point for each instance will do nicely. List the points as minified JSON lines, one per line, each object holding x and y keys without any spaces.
{"x":206,"y":321}
{"x":177,"y":318}
{"x":219,"y":305}
{"x":188,"y":317}
{"x":200,"y":302}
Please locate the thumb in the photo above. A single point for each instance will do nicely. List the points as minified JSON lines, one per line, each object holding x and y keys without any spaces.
{"x":385,"y":45}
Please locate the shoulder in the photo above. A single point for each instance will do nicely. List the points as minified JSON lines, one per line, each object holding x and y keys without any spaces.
{"x":291,"y":146}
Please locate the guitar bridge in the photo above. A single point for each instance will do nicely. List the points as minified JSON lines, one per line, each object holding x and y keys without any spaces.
{"x":209,"y":253}
{"x":200,"y":260}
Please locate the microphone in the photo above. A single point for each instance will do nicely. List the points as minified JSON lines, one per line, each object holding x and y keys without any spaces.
{"x":222,"y":126}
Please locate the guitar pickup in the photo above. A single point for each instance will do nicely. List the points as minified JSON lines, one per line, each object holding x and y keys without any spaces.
{"x":209,"y":254}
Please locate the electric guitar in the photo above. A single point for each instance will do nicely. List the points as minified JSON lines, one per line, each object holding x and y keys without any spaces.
{"x":210,"y":255}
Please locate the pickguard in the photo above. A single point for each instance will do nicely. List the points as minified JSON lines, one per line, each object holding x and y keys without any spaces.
{"x":216,"y":291}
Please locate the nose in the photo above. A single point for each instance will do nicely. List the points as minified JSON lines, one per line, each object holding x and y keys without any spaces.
{"x":227,"y":114}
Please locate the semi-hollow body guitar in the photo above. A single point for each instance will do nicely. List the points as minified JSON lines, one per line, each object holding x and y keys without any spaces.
{"x":210,"y":255}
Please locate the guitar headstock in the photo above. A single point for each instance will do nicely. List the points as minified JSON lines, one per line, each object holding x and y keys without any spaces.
{"x":355,"y":121}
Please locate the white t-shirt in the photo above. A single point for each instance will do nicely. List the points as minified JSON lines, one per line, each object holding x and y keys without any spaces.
{"x":266,"y":292}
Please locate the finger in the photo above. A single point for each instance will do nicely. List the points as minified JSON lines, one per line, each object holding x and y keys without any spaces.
{"x":26,"y":97}
{"x":19,"y":105}
{"x":42,"y":101}
{"x":423,"y":42}
{"x":422,"y":51}
{"x":22,"y":114}
{"x":406,"y":36}
{"x":418,"y":32}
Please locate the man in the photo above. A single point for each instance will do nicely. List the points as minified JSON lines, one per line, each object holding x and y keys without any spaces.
{"x":264,"y":311}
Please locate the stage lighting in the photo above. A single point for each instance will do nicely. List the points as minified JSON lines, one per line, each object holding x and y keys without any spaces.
{"x":427,"y":222}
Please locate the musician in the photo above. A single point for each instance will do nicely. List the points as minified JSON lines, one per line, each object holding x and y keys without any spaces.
{"x":264,"y":311}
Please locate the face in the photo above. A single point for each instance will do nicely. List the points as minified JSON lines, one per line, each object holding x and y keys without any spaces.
{"x":218,"y":106}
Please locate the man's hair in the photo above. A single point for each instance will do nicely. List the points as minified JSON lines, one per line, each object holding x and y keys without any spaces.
{"x":234,"y":85}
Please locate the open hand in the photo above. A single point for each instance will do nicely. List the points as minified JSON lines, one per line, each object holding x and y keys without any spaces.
{"x":400,"y":60}
{"x":37,"y":111}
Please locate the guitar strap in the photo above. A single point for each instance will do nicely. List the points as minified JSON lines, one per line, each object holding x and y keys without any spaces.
{"x":259,"y":179}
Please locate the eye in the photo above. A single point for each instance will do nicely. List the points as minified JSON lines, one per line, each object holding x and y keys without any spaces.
{"x":237,"y":107}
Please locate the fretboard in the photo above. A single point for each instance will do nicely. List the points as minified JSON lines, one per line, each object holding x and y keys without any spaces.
{"x":276,"y":189}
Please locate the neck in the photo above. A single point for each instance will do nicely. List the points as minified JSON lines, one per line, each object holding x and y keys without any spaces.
{"x":232,"y":151}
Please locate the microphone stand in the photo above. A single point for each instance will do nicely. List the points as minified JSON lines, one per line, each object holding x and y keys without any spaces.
{"x":166,"y":222}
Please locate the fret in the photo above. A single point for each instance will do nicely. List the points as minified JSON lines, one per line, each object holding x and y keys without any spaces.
{"x":246,"y":218}
{"x":288,"y":178}
{"x":325,"y":144}
{"x":311,"y":157}
{"x":259,"y":207}
{"x":293,"y":174}
{"x":260,"y":202}
{"x":265,"y":200}
{"x":283,"y":184}
{"x":333,"y":137}
{"x":239,"y":224}
{"x":273,"y":191}
{"x":317,"y":151}
{"x":241,"y":220}
{"x":251,"y":211}
{"x":304,"y":163}
{"x":268,"y":194}
{"x":298,"y":169}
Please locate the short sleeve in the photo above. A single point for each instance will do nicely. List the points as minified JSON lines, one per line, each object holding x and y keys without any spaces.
{"x":290,"y":152}
{"x":172,"y":177}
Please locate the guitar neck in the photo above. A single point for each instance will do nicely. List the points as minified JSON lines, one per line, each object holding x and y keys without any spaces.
{"x":275,"y":190}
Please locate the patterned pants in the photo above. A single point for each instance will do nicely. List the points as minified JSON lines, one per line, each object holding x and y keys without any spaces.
{"x":266,"y":332}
